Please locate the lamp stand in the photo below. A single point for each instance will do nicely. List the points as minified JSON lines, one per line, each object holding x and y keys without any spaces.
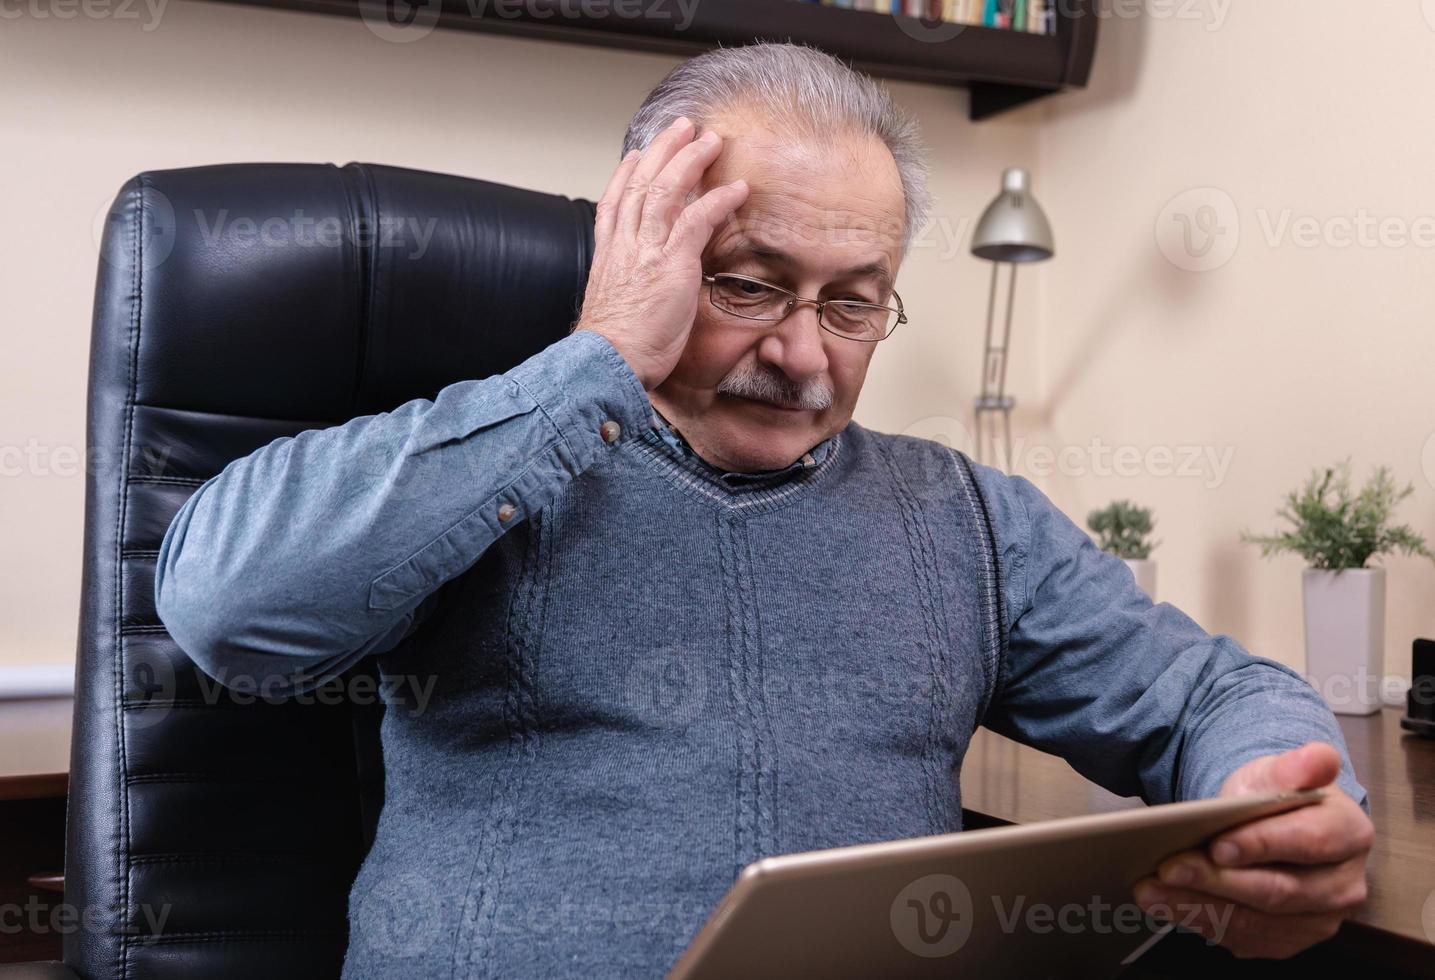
{"x":993,"y":400}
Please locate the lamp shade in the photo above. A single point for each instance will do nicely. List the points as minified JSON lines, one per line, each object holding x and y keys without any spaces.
{"x":1013,"y":228}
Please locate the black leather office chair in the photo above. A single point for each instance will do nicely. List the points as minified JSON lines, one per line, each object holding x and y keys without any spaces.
{"x":211,"y":834}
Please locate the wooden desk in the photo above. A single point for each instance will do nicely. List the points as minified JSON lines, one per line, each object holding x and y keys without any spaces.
{"x":34,"y":773}
{"x":1005,"y":782}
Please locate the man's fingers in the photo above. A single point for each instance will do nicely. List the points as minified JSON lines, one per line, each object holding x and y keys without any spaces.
{"x":1327,"y":832}
{"x":695,"y":226}
{"x":1313,"y":765}
{"x":668,"y":193}
{"x":1282,"y":889}
{"x":607,"y":207}
{"x":1240,"y":928}
{"x":650,"y":164}
{"x":1193,"y":909}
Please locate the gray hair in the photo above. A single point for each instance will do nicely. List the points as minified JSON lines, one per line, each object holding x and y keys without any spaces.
{"x":807,"y":90}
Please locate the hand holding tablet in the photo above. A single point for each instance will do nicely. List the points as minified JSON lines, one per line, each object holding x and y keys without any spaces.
{"x":1277,"y":885}
{"x":1045,"y":899}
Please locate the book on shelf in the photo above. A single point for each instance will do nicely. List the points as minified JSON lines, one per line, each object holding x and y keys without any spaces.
{"x":1027,"y":16}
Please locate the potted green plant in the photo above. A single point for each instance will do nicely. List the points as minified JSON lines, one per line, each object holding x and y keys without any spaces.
{"x":1338,"y":531}
{"x":1124,"y":529}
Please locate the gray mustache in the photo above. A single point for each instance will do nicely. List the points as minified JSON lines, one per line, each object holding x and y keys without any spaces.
{"x":766,"y":386}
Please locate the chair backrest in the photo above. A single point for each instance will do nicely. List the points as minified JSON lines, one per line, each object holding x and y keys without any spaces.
{"x":214,"y":834}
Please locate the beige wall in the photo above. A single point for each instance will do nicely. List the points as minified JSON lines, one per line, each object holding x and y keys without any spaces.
{"x":1296,"y":352}
{"x":1282,"y":358}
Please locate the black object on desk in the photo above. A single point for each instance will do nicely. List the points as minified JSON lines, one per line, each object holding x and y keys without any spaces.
{"x":1420,"y":699}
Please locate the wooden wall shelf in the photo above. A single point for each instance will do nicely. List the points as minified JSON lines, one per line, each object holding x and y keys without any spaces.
{"x":1002,"y":68}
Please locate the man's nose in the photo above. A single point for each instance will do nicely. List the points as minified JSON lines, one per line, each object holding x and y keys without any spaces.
{"x":796,"y":347}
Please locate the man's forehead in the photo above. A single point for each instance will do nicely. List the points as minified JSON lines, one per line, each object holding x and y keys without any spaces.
{"x":786,"y":250}
{"x":841,"y":193}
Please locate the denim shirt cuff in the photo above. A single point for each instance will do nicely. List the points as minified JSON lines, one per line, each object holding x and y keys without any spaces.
{"x":580,"y":383}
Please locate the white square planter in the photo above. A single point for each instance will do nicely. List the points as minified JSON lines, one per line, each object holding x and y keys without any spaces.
{"x":1345,"y":637}
{"x":1145,"y":571}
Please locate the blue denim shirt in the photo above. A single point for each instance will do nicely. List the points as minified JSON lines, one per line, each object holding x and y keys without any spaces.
{"x":646,"y":673}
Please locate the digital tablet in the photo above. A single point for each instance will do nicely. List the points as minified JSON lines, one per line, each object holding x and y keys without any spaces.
{"x":1048,"y":899}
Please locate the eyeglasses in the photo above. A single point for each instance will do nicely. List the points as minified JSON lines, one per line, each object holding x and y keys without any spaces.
{"x":753,"y":299}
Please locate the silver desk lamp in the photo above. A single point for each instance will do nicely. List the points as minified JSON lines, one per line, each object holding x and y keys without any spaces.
{"x":1012,"y":231}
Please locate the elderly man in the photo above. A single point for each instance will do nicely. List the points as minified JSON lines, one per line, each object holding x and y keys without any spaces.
{"x":674,"y":498}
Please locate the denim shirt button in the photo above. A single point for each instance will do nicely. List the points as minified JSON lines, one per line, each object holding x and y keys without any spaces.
{"x":506,"y":512}
{"x":610,"y":431}
{"x":807,"y":459}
